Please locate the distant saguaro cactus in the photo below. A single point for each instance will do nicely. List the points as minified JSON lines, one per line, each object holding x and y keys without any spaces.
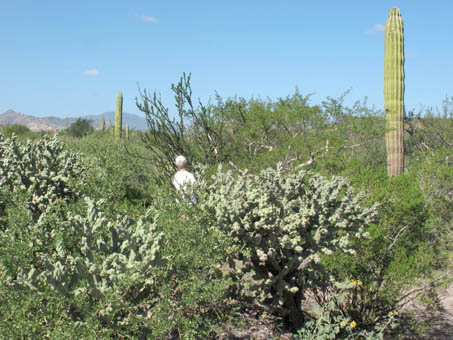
{"x":118,"y":114}
{"x":102,"y":124}
{"x":394,"y":91}
{"x":127,"y":132}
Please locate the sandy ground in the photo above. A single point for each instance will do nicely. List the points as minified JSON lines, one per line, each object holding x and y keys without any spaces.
{"x":442,"y":328}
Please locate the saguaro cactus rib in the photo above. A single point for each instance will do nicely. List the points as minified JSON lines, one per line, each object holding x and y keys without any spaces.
{"x":394,"y":92}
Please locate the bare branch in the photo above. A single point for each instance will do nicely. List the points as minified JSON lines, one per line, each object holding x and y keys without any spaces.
{"x":396,"y":237}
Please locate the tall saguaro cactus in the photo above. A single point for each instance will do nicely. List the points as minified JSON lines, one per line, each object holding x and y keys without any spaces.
{"x":102,"y":124}
{"x":394,"y":91}
{"x":118,"y":114}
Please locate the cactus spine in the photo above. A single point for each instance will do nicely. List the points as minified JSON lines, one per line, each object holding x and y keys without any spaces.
{"x":394,"y":91}
{"x":102,"y":124}
{"x":118,"y":114}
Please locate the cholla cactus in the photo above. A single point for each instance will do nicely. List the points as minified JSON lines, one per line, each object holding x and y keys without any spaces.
{"x":42,"y":169}
{"x":283,"y":223}
{"x":111,"y":257}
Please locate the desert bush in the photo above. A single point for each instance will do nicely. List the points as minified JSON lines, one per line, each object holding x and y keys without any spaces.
{"x":196,"y":133}
{"x":193,"y":290}
{"x":399,"y":254}
{"x":280,"y":225}
{"x":331,"y":324}
{"x":80,"y":128}
{"x":435,"y":179}
{"x":118,"y":171}
{"x":17,"y":129}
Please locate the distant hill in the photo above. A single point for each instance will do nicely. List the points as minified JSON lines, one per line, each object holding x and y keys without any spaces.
{"x":54,"y":123}
{"x":33,"y":123}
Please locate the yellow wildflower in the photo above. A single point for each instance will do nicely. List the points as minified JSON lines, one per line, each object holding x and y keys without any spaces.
{"x":353,"y":324}
{"x":343,"y":324}
{"x":356,"y":283}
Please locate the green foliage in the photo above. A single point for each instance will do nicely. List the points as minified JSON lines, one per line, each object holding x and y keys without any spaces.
{"x":435,"y":178}
{"x":120,"y":173}
{"x":196,"y":133}
{"x":17,"y":129}
{"x":326,"y":138}
{"x":400,"y":249}
{"x":258,"y":131}
{"x":331,"y":324}
{"x":429,"y":132}
{"x":281,"y":224}
{"x":192,"y":288}
{"x":80,"y":128}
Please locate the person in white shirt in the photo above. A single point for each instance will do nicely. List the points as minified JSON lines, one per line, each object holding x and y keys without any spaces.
{"x":183,"y":177}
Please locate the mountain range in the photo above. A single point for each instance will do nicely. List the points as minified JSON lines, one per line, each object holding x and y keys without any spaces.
{"x":54,"y":123}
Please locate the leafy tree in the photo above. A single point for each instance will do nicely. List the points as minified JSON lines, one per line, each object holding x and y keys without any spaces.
{"x":195,"y":133}
{"x":17,"y":129}
{"x":80,"y":128}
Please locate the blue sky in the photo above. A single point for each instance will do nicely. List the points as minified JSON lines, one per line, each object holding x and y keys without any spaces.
{"x":69,"y":58}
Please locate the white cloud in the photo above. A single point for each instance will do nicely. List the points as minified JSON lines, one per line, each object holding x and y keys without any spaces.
{"x":375,"y":29}
{"x":148,"y":18}
{"x":91,"y":72}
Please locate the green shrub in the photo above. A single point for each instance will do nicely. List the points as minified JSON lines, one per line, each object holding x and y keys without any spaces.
{"x":398,"y":253}
{"x":80,"y":128}
{"x":17,"y":129}
{"x":192,"y":289}
{"x":435,"y":178}
{"x":118,"y":172}
{"x":330,"y":323}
